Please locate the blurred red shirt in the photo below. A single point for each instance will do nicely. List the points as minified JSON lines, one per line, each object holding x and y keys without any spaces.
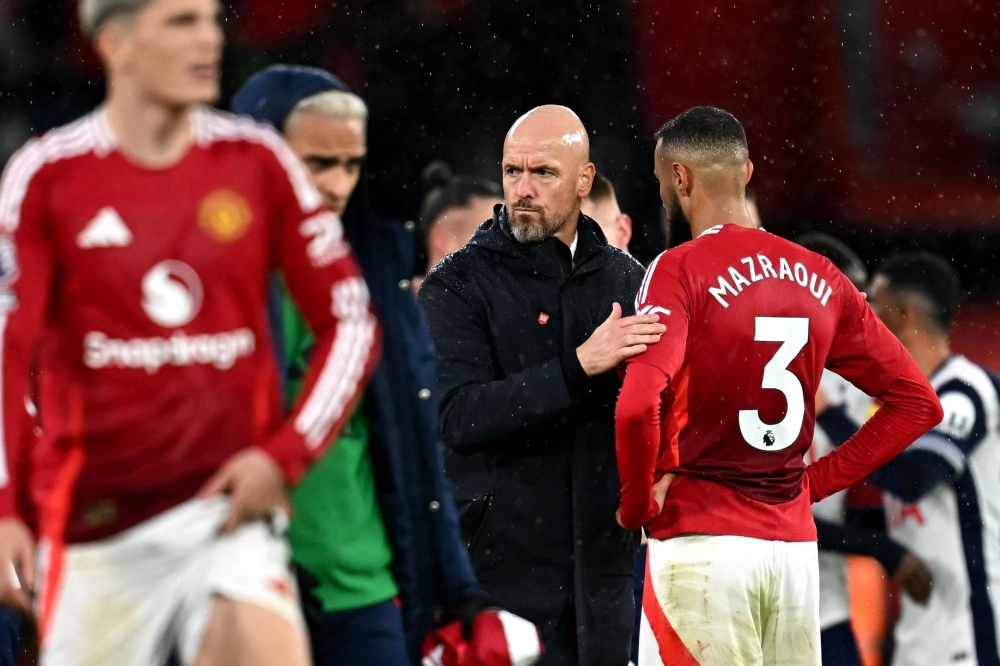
{"x":142,"y":294}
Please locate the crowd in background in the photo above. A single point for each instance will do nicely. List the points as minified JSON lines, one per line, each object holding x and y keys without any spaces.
{"x":879,"y":120}
{"x":883,"y":129}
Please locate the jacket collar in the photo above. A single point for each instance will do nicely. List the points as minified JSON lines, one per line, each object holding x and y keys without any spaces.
{"x":543,"y":258}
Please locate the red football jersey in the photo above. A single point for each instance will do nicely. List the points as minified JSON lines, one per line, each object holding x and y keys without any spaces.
{"x":752,"y":320}
{"x":141,"y":295}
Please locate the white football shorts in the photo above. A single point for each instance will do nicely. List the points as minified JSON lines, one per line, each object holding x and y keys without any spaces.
{"x":730,"y":601}
{"x":131,"y":599}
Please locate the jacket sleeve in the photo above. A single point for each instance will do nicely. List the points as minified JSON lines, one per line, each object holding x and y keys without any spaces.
{"x":865,"y":353}
{"x":476,"y":406}
{"x":26,"y":273}
{"x":325,"y":281}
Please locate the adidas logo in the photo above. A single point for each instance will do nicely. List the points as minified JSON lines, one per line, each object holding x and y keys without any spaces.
{"x":107,"y":229}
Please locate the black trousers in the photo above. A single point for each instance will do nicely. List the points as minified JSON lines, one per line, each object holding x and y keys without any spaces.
{"x":363,"y":637}
{"x":839,"y":647}
{"x":559,"y":638}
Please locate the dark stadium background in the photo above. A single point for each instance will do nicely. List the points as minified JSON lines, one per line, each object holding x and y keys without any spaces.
{"x":875,"y":120}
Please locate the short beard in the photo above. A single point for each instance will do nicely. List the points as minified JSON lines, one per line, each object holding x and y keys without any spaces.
{"x":677,"y":227}
{"x":526,"y":231}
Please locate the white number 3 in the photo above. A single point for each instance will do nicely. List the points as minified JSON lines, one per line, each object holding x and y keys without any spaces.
{"x":793,"y":332}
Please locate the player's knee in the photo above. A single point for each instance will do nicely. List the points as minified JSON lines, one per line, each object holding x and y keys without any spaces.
{"x":239,"y":633}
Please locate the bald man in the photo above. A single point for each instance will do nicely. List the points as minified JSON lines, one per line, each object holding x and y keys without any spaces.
{"x":530,"y":320}
{"x":751,"y":320}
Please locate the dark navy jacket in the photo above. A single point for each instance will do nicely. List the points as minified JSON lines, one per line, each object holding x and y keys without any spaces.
{"x":430,"y":564}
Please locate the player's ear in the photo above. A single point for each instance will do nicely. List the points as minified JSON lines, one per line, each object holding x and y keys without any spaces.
{"x":624,"y":223}
{"x":437,"y":242}
{"x":586,"y":180}
{"x":911,"y":316}
{"x":112,"y":44}
{"x":106,"y":45}
{"x":683,"y":179}
{"x":749,"y":173}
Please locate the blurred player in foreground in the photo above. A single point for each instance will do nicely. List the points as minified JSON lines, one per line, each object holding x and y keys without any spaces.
{"x":943,"y":492}
{"x":601,"y":205}
{"x":714,"y":419}
{"x":839,"y":405}
{"x":137,"y":247}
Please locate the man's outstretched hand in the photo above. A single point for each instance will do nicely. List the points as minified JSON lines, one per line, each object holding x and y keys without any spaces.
{"x":617,"y":339}
{"x":660,"y":489}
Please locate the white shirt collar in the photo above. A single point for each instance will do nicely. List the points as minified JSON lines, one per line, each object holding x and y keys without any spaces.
{"x":711,"y":230}
{"x":717,"y":228}
{"x":572,"y":247}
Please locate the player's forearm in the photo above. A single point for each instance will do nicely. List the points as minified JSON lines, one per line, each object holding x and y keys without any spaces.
{"x":837,"y":424}
{"x":14,"y":425}
{"x":344,"y":357}
{"x":12,"y":485}
{"x":910,"y":408}
{"x":637,"y":438}
{"x":19,"y":340}
{"x":27,"y":262}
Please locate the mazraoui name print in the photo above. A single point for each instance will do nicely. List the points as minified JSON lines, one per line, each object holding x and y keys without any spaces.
{"x":760,"y":267}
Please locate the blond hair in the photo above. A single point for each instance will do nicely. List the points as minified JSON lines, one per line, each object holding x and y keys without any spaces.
{"x":95,"y":13}
{"x":335,"y":104}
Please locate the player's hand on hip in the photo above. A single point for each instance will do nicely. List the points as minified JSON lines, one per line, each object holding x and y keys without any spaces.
{"x":913,"y":577}
{"x":617,"y":339}
{"x":255,"y":486}
{"x":17,"y":563}
{"x":660,"y":489}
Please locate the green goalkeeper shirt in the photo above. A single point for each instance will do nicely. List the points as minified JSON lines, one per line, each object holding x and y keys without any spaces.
{"x":337,"y":532}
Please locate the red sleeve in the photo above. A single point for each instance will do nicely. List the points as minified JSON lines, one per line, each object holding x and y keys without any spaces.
{"x":663,"y":292}
{"x":637,"y":441}
{"x":865,"y":353}
{"x":25,"y":281}
{"x":324,"y":279}
{"x":637,"y":414}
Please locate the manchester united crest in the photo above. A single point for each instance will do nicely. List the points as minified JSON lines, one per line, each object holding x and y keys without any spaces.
{"x":225,"y":215}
